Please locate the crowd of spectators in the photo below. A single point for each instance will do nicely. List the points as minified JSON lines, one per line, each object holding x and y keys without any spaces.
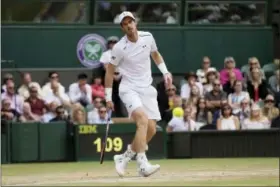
{"x":229,"y":99}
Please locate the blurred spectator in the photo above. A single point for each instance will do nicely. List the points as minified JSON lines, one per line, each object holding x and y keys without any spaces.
{"x":274,"y":82}
{"x":217,"y":114}
{"x":46,"y":89}
{"x":26,"y":83}
{"x":194,"y":97}
{"x":102,"y":116}
{"x":37,"y":105}
{"x":15,"y":99}
{"x":203,"y":116}
{"x":269,"y":110}
{"x":28,"y":115}
{"x":60,"y":114}
{"x":227,"y":121}
{"x":256,"y":86}
{"x":229,"y":66}
{"x":93,"y":115}
{"x":186,"y":87}
{"x":235,"y":98}
{"x":211,"y":76}
{"x":80,"y":91}
{"x":78,"y":116}
{"x":51,"y":112}
{"x":229,"y":86}
{"x":56,"y":95}
{"x":171,"y":93}
{"x":206,"y":67}
{"x":98,"y":89}
{"x":253,"y":63}
{"x":214,"y":97}
{"x":7,"y":78}
{"x":107,"y":55}
{"x":244,"y":110}
{"x":256,"y":119}
{"x":7,"y":113}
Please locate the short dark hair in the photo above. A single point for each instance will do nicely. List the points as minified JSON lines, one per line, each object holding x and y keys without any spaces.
{"x":51,"y":73}
{"x":223,"y":109}
{"x":82,"y":76}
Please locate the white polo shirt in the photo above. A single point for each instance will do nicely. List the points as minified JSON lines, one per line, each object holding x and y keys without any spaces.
{"x":133,"y":59}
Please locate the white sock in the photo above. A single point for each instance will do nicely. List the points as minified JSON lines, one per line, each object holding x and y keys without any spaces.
{"x":129,"y":153}
{"x":141,"y":157}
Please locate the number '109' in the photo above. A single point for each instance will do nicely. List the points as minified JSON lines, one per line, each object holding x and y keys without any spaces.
{"x":113,"y":144}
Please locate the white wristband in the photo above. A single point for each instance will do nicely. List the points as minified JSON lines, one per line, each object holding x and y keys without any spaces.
{"x":162,"y":67}
{"x":108,"y":94}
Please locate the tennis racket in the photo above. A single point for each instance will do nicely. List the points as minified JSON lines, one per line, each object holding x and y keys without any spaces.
{"x":104,"y":143}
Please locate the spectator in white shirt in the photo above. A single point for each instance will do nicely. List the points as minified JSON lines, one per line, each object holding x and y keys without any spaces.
{"x":93,"y":115}
{"x":56,"y":95}
{"x":51,"y":113}
{"x":256,"y":119}
{"x":102,"y":116}
{"x":227,"y":121}
{"x":206,"y":67}
{"x":80,"y":92}
{"x":53,"y":76}
{"x":107,"y":55}
{"x":7,"y":78}
{"x":186,"y":87}
{"x":27,"y":82}
{"x":15,"y":99}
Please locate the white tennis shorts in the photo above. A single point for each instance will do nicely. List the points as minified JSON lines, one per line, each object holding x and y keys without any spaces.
{"x":136,"y":97}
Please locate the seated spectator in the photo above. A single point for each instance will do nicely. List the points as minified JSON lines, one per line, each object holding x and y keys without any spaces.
{"x":177,"y":102}
{"x":80,"y":91}
{"x":98,"y":89}
{"x":235,"y":98}
{"x":186,"y":87}
{"x":60,"y":114}
{"x":56,"y":95}
{"x":28,"y":115}
{"x":211,"y":76}
{"x":78,"y":116}
{"x":171,"y":93}
{"x":46,"y":89}
{"x":256,"y":119}
{"x":269,"y":110}
{"x":213,"y":98}
{"x":229,"y":86}
{"x":244,"y":111}
{"x":51,"y":113}
{"x":7,"y":78}
{"x":15,"y":99}
{"x":37,"y":105}
{"x":274,"y":82}
{"x":217,"y":114}
{"x":229,"y":66}
{"x":26,"y":83}
{"x":102,"y":116}
{"x":185,"y":123}
{"x":256,"y":86}
{"x":92,"y":115}
{"x":253,"y":63}
{"x":276,"y":122}
{"x":203,"y":116}
{"x":227,"y":121}
{"x":206,"y":67}
{"x":193,"y":99}
{"x":7,"y":113}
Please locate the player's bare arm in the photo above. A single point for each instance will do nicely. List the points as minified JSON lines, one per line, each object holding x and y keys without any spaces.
{"x":108,"y":85}
{"x":158,"y":59}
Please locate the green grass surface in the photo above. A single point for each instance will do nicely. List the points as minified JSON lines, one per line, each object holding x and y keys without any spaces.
{"x":193,"y":172}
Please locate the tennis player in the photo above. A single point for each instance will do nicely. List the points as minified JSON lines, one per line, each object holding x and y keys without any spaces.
{"x":131,"y":55}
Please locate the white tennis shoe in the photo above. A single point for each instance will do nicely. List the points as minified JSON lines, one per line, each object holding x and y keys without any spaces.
{"x":146,"y":169}
{"x":121,"y":163}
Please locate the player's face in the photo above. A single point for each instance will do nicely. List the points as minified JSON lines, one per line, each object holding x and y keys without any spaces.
{"x":128,"y":25}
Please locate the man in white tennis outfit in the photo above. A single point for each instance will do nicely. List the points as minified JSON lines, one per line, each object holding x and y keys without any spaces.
{"x":131,"y":55}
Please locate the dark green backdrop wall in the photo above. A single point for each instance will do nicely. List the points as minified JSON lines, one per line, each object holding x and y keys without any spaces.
{"x":182,"y":47}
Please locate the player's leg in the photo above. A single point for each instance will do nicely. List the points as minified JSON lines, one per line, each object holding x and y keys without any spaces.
{"x":151,"y":131}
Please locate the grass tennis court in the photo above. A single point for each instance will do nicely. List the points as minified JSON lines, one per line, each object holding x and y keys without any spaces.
{"x":202,"y":172}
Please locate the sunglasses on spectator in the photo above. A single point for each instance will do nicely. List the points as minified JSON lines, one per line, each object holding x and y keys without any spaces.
{"x":269,"y":101}
{"x":102,"y":111}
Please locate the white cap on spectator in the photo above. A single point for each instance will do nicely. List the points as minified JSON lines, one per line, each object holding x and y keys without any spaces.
{"x":125,"y":14}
